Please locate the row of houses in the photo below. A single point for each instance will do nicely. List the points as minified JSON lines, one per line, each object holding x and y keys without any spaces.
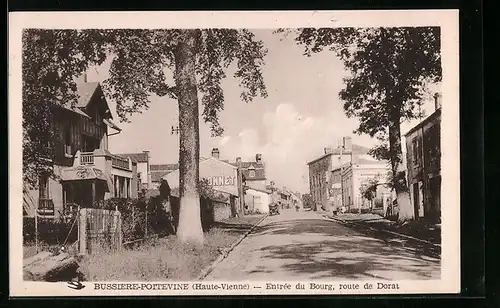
{"x":85,"y":171}
{"x":337,"y":178}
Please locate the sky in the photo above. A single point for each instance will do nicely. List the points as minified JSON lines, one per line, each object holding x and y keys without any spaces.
{"x":300,"y":117}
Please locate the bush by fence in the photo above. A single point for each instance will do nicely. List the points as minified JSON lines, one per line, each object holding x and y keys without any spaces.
{"x":50,"y":231}
{"x":140,"y":217}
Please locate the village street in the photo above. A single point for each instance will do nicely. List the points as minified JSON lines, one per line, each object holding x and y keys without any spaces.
{"x":304,"y":246}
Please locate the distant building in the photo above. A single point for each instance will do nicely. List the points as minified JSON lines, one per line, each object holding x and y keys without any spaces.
{"x":253,"y":172}
{"x":158,"y":171}
{"x":320,"y":169}
{"x":143,"y":168}
{"x":423,"y":151}
{"x":358,"y":174}
{"x":221,"y":176}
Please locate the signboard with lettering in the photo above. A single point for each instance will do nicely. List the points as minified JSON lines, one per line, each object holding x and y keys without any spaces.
{"x":222,"y":180}
{"x":220,"y":175}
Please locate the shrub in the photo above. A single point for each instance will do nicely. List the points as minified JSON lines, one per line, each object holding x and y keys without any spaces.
{"x":50,"y":231}
{"x":135,"y":222}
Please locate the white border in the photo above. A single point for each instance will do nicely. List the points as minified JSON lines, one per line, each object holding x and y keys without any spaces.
{"x":450,"y":169}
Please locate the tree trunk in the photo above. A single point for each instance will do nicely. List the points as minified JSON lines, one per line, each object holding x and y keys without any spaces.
{"x":398,"y":173}
{"x":189,"y":228}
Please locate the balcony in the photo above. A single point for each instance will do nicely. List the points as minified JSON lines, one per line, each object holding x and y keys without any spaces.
{"x":100,"y":159}
{"x":45,"y":207}
{"x":120,"y":163}
{"x":87,"y":158}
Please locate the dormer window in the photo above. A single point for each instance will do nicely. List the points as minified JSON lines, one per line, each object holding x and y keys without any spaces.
{"x":251,"y":171}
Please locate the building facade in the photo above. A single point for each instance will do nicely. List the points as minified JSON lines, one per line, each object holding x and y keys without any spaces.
{"x":253,"y":172}
{"x":220,"y":175}
{"x":320,"y":171}
{"x":158,"y":171}
{"x":356,"y":175}
{"x":423,"y":150}
{"x":143,"y":168}
{"x":84,"y":170}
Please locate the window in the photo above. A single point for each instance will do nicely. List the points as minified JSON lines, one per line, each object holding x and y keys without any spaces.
{"x":417,"y":149}
{"x":67,"y":139}
{"x":44,"y":187}
{"x":251,"y":173}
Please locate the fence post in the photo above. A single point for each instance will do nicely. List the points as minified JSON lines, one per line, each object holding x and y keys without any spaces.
{"x":119,"y":230}
{"x":146,"y":233}
{"x":82,"y":227}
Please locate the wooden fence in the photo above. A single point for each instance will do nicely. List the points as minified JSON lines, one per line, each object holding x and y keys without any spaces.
{"x":99,"y":230}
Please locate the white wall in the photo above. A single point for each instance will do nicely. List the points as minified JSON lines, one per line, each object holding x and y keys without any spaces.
{"x":142,"y":168}
{"x":265,"y":199}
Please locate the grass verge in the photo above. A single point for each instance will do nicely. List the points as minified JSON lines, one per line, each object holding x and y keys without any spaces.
{"x":166,"y":259}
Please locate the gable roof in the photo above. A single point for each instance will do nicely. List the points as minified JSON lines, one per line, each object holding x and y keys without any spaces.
{"x":164,"y":167}
{"x":430,"y":118}
{"x":85,"y":91}
{"x":156,"y":176}
{"x":259,"y":174}
{"x":139,"y":157}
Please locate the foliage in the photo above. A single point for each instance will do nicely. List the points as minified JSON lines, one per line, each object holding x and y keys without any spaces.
{"x":307,"y":200}
{"x":369,"y":191}
{"x":141,"y":62}
{"x":133,"y":213}
{"x":390,"y":69}
{"x":50,"y":61}
{"x":50,"y":231}
{"x":165,"y":258}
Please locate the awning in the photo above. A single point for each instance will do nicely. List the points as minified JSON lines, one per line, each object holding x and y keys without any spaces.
{"x":82,"y":173}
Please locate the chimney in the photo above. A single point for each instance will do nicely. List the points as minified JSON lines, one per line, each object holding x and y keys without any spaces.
{"x":146,"y":152}
{"x":437,"y":101}
{"x":328,"y":150}
{"x":215,"y":153}
{"x":238,"y":160}
{"x":347,"y":143}
{"x":258,"y":158}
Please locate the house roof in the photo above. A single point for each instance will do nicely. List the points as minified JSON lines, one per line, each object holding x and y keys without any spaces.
{"x":247,"y":164}
{"x":430,"y":118}
{"x":138,"y":157}
{"x":164,"y":167}
{"x":256,"y":189}
{"x":85,"y":91}
{"x":259,"y":174}
{"x":356,"y":150}
{"x":362,"y":161}
{"x":156,"y":176}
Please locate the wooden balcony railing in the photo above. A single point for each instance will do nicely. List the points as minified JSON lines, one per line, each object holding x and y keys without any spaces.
{"x":45,"y":207}
{"x":120,"y":162}
{"x":86,"y":158}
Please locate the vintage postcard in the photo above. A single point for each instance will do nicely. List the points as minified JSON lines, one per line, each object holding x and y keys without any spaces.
{"x":234,"y":153}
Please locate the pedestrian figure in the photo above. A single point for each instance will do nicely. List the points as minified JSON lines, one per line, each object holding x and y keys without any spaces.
{"x":167,"y":206}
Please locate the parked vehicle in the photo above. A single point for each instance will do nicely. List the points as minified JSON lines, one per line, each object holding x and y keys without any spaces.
{"x":274,"y":209}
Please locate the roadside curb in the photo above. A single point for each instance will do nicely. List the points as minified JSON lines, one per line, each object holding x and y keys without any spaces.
{"x":375,"y":229}
{"x":207,"y":270}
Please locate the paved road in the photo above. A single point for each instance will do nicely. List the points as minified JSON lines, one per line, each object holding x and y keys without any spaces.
{"x":304,"y":246}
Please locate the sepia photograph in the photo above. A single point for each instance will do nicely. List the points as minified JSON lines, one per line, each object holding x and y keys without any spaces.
{"x":230,"y":159}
